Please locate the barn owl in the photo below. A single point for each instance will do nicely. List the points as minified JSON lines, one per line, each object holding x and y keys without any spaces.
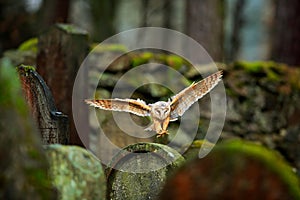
{"x":161,"y":112}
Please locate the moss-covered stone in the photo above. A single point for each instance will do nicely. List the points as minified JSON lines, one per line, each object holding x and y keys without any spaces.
{"x":142,"y":58}
{"x":76,"y":173}
{"x":234,"y":170}
{"x":23,"y":165}
{"x":272,"y":160}
{"x":275,"y":72}
{"x":140,"y":170}
{"x":257,"y":92}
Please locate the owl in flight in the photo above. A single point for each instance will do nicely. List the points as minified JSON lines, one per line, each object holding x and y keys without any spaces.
{"x":161,"y":112}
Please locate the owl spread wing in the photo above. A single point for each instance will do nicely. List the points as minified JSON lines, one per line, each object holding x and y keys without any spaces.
{"x":137,"y":107}
{"x":187,"y":97}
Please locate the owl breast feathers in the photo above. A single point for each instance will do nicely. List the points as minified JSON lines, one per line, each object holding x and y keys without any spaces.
{"x":161,"y":112}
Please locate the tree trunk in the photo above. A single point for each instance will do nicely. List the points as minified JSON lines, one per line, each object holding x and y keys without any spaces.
{"x":103,"y":14}
{"x":16,"y":24}
{"x":53,"y":12}
{"x":286,"y":34}
{"x":204,"y":23}
{"x":235,"y":37}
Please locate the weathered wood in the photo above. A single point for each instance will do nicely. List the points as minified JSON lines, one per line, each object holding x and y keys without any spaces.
{"x":76,"y":173}
{"x":61,"y":51}
{"x":53,"y":125}
{"x":140,"y":171}
{"x":234,"y":170}
{"x":23,"y":165}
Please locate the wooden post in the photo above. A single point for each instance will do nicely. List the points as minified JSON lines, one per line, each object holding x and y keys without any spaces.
{"x":61,"y":52}
{"x":53,"y":125}
{"x":140,"y":170}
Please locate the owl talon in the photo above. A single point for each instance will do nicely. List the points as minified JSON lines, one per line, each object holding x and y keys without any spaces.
{"x":162,"y":133}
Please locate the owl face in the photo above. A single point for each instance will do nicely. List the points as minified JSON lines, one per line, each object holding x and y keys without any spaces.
{"x":160,"y":110}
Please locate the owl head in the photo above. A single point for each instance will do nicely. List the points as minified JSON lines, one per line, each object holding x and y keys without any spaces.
{"x":160,"y":110}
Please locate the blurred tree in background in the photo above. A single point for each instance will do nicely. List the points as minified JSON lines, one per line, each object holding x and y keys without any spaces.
{"x":204,"y":23}
{"x":286,"y":38}
{"x":102,"y":18}
{"x":52,"y":11}
{"x":228,"y":29}
{"x":15,"y":23}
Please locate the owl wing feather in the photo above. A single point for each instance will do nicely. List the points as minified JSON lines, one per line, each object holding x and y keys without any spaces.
{"x":137,"y":107}
{"x":187,"y":97}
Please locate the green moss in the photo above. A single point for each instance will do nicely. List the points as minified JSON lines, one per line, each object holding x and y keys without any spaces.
{"x":75,"y":172}
{"x":141,"y":177}
{"x":256,"y":66}
{"x":174,"y":61}
{"x":141,"y":58}
{"x":33,"y":153}
{"x":38,"y":177}
{"x":193,"y":149}
{"x":294,"y":78}
{"x":274,"y":72}
{"x":26,"y":68}
{"x":161,"y":57}
{"x":29,"y":45}
{"x":270,"y":158}
{"x":271,"y":69}
{"x":253,"y":67}
{"x":10,"y":88}
{"x":108,"y":47}
{"x":147,"y":55}
{"x":69,"y":28}
{"x":199,"y":143}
